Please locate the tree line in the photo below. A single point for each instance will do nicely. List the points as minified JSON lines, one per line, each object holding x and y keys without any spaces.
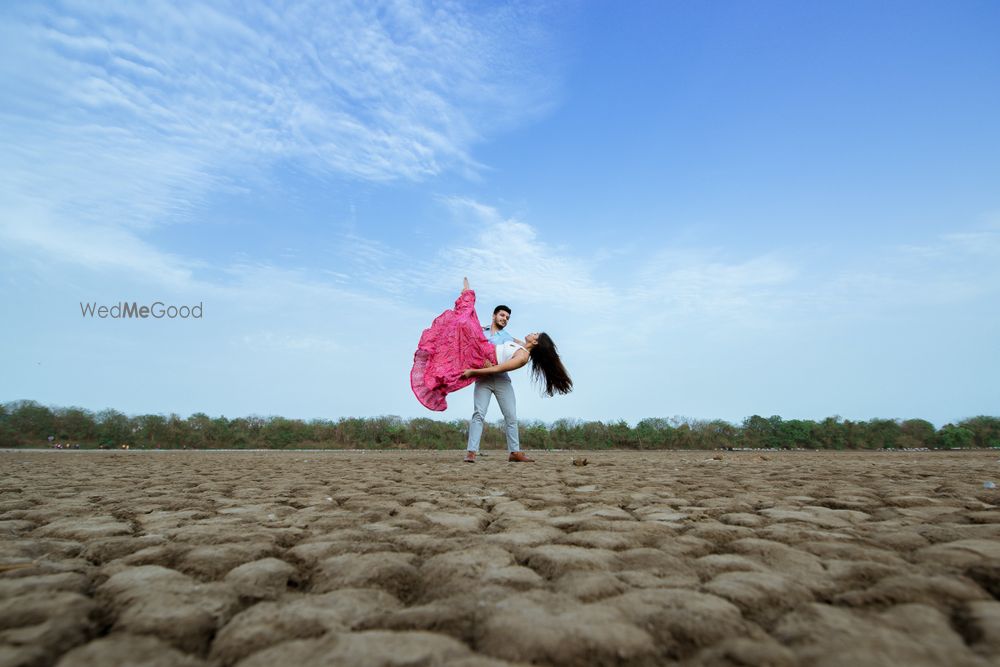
{"x":29,"y":424}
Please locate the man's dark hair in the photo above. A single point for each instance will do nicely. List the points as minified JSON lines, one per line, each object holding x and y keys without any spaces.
{"x":501,"y":307}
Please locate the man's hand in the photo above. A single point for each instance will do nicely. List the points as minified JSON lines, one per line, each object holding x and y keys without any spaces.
{"x":465,"y":284}
{"x":467,"y":373}
{"x":487,"y":364}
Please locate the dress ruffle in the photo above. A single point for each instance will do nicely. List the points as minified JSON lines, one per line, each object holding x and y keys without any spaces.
{"x":454,"y":342}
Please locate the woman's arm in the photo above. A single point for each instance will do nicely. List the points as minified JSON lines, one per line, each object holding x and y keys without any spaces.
{"x":519,"y":359}
{"x":466,"y":301}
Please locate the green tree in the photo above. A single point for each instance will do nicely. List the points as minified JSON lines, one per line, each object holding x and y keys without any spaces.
{"x":31,"y":421}
{"x":75,"y":424}
{"x":151,"y":431}
{"x":796,"y":433}
{"x":595,"y":435}
{"x":684,"y":436}
{"x":831,"y":433}
{"x":856,"y":434}
{"x":199,"y":429}
{"x":621,"y":436}
{"x":323,"y":431}
{"x":653,"y":433}
{"x":9,"y":437}
{"x":179,"y":432}
{"x":281,"y":433}
{"x":883,"y":434}
{"x":916,"y":434}
{"x":534,"y":435}
{"x":566,"y":433}
{"x":761,"y":432}
{"x":713,"y":434}
{"x":113,"y":429}
{"x":388,"y":430}
{"x":955,"y":437}
{"x":425,"y":432}
{"x":985,"y":430}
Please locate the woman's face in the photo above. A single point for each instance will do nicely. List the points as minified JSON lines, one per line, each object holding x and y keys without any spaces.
{"x":531,"y":338}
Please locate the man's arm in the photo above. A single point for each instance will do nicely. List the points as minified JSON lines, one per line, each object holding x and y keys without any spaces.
{"x":519,"y":359}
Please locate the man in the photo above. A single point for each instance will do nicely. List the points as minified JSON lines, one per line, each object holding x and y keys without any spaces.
{"x":498,"y":385}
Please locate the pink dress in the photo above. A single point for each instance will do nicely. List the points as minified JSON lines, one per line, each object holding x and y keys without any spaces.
{"x":454,"y":342}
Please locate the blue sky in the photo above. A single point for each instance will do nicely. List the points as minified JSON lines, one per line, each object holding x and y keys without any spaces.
{"x":716,"y":209}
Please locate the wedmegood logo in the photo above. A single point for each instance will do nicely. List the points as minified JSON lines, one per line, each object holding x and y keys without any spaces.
{"x":157,"y":310}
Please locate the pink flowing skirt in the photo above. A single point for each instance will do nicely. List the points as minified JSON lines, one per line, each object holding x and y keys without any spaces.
{"x":455,"y":341}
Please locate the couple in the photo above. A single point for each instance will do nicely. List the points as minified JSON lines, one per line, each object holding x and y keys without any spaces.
{"x":457,"y":351}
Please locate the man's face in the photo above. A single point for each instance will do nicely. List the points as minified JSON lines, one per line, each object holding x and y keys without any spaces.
{"x":500,"y":318}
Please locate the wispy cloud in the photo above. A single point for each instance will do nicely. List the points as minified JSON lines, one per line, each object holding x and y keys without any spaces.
{"x":36,"y":234}
{"x":701,"y":280}
{"x":517,"y":261}
{"x":680,"y":287}
{"x":951,"y":269}
{"x":129,"y":114}
{"x":497,"y":252}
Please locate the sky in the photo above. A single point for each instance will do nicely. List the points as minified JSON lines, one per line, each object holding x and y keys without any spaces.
{"x":716,"y":209}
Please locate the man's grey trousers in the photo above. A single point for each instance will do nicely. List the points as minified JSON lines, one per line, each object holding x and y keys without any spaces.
{"x":501,"y":388}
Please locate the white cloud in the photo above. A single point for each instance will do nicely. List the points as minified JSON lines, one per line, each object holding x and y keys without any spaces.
{"x":700,"y":281}
{"x":100,"y":248}
{"x":952,"y":269}
{"x":129,"y":114}
{"x":509,"y":255}
{"x":515,"y":261}
{"x":984,"y":243}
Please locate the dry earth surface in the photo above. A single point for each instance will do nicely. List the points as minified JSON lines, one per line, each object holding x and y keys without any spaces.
{"x":414,"y":558}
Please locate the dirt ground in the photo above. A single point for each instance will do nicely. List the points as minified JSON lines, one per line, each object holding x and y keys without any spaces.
{"x":414,"y":558}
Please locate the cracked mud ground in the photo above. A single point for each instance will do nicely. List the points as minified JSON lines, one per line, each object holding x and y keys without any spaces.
{"x":414,"y":558}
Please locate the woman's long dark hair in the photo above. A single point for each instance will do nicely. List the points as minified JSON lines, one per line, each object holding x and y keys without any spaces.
{"x":547,"y":367}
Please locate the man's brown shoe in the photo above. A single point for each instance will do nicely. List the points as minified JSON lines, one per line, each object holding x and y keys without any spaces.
{"x":520,"y":457}
{"x":470,"y":457}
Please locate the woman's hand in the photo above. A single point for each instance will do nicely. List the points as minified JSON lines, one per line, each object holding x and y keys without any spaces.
{"x":468,"y":372}
{"x":465,"y":284}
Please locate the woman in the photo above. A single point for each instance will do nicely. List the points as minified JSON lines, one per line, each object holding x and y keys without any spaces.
{"x":454,"y":350}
